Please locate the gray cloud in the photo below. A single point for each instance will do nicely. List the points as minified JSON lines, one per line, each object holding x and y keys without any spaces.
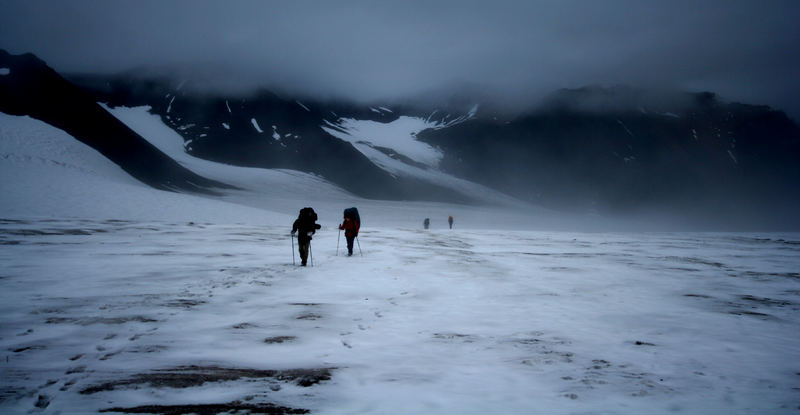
{"x":519,"y":50}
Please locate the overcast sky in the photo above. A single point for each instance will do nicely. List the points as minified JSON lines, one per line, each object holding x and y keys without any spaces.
{"x":519,"y":50}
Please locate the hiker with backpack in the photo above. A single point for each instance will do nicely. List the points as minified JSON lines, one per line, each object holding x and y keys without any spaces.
{"x":305,"y":226}
{"x":350,"y":225}
{"x":450,"y":221}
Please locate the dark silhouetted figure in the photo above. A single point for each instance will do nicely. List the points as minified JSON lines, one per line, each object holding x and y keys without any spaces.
{"x":305,"y":226}
{"x":450,"y":221}
{"x":426,"y":223}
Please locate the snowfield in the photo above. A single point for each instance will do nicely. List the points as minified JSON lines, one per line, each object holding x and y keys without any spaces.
{"x":394,"y":147}
{"x":117,"y":297}
{"x":398,"y":135}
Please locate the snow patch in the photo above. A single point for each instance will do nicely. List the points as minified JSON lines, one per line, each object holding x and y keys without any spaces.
{"x":169,"y":107}
{"x":431,"y":116}
{"x":398,"y":135}
{"x":5,"y":71}
{"x":283,"y":185}
{"x":670,"y":114}
{"x":226,"y":126}
{"x":626,"y":128}
{"x":255,"y":125}
{"x":385,"y":109}
{"x":386,"y":144}
{"x":730,"y":153}
{"x":275,"y":133}
{"x":304,"y":107}
{"x":228,"y":106}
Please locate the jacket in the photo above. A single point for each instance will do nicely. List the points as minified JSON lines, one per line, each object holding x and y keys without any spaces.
{"x":350,"y":228}
{"x":305,"y":228}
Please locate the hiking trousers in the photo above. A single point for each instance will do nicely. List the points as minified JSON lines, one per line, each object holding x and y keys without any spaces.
{"x":303,"y":245}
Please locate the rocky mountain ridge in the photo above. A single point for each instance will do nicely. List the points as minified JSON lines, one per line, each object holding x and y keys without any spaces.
{"x":609,"y":150}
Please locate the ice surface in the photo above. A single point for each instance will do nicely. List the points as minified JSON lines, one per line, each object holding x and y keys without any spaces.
{"x":104,"y":279}
{"x":424,"y":322}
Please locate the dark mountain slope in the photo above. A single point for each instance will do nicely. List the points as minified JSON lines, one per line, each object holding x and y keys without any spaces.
{"x":704,"y":158}
{"x":32,"y":88}
{"x":266,"y":130}
{"x":615,"y":151}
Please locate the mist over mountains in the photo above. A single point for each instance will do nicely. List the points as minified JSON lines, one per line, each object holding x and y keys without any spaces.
{"x":619,"y":151}
{"x":615,"y":151}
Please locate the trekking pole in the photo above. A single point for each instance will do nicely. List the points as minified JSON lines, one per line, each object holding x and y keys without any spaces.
{"x":293,"y":263}
{"x":337,"y":242}
{"x":359,"y":247}
{"x":312,"y":254}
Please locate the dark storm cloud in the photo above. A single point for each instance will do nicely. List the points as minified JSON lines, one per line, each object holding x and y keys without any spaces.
{"x":745,"y":50}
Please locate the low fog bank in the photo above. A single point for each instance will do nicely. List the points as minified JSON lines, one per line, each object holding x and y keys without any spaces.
{"x":709,"y":217}
{"x":766,"y":207}
{"x":697,"y":217}
{"x":713,"y":212}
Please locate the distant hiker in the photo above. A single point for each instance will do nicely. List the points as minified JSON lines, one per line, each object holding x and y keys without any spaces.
{"x":306,"y":226}
{"x":426,"y":223}
{"x":350,"y":225}
{"x":450,"y":221}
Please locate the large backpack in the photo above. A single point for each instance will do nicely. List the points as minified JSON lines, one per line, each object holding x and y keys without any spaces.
{"x":352,"y":213}
{"x":307,"y":214}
